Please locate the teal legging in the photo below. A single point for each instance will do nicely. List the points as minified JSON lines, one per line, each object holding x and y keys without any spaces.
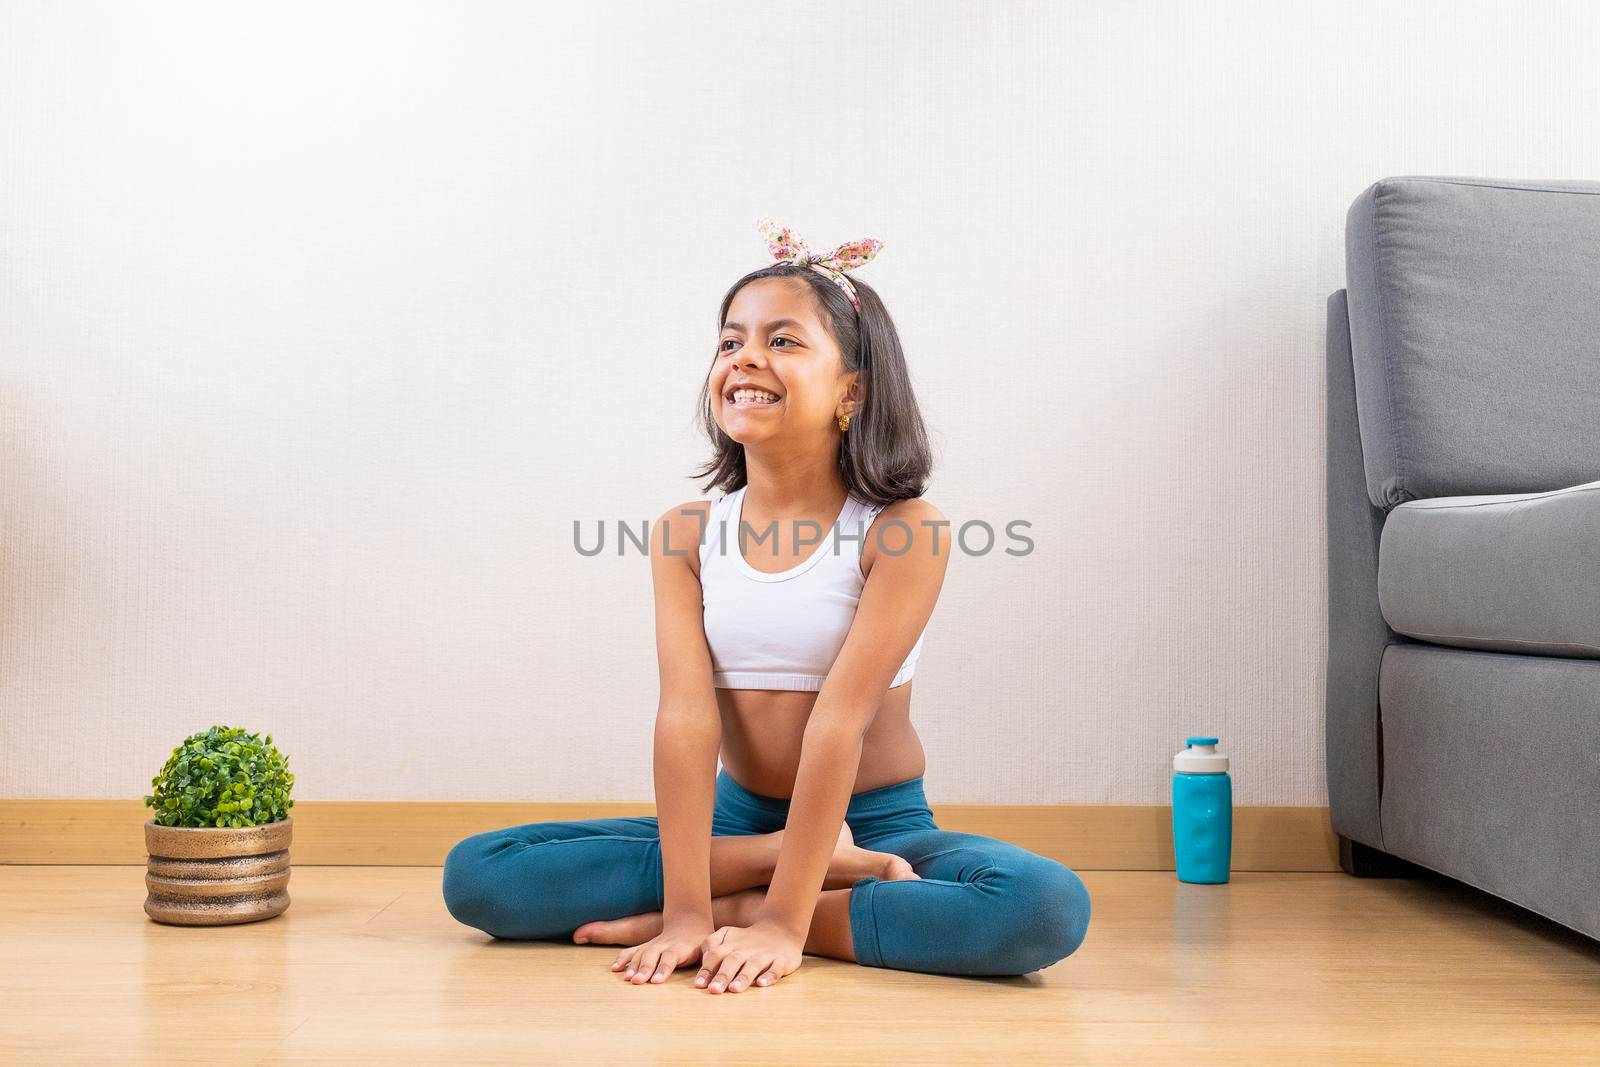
{"x":979,"y":906}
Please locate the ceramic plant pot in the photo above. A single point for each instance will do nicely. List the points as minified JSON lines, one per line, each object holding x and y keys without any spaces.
{"x":216,"y":875}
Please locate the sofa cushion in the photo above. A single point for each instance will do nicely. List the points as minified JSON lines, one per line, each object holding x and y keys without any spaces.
{"x":1475,"y":330}
{"x":1518,"y":572}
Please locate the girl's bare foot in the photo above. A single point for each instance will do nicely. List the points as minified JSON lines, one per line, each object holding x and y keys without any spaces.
{"x":851,"y":862}
{"x":734,"y":909}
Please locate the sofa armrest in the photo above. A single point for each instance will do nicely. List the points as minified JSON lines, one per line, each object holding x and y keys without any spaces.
{"x":1357,"y":633}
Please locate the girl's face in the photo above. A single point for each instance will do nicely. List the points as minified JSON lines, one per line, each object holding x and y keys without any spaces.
{"x":775,"y":341}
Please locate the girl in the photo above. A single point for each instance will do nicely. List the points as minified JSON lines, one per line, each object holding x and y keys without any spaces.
{"x":792,"y":663}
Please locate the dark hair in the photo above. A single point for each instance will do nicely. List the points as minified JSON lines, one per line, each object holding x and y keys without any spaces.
{"x":884,"y":456}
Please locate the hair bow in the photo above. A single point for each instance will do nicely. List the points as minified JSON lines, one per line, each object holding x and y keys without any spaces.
{"x":787,"y":247}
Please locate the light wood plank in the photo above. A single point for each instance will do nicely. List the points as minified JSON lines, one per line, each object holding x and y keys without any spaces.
{"x":367,"y":966}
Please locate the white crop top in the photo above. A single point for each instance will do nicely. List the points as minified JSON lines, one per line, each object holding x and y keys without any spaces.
{"x":783,"y":630}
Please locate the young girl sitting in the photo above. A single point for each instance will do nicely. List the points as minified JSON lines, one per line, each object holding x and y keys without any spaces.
{"x":789,"y":658}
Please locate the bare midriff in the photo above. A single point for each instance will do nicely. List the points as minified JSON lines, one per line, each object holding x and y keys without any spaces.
{"x":762,"y":730}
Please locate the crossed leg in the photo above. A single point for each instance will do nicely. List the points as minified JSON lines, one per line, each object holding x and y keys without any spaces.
{"x":976,"y":905}
{"x":603,"y":877}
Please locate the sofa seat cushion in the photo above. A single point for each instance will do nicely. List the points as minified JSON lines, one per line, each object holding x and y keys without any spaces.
{"x":1518,"y":572}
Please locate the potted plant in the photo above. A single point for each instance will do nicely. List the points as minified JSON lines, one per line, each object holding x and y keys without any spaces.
{"x":219,"y":840}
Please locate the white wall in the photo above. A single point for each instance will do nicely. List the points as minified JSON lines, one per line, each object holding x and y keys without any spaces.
{"x":321,"y":323}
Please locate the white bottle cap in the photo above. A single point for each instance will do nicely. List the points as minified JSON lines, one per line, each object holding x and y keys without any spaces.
{"x":1201,"y":757}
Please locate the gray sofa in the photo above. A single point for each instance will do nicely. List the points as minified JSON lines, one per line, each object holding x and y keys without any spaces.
{"x":1463,"y":493}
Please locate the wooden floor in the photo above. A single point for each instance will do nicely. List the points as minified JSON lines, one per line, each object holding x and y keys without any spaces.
{"x":367,"y":966}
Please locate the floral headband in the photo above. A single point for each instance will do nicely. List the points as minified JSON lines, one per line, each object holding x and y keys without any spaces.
{"x":787,"y":247}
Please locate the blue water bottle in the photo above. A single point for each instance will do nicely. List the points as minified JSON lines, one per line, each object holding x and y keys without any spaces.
{"x":1202,"y":812}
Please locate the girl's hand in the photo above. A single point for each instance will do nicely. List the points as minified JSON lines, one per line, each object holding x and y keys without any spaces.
{"x":677,"y":945}
{"x":736,"y":956}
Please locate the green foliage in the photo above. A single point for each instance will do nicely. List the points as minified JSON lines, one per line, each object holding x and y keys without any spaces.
{"x":222,"y":777}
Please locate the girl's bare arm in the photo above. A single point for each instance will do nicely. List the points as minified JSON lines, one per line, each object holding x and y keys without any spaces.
{"x":688,"y":730}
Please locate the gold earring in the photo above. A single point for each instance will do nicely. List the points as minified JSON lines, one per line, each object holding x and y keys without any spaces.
{"x":844,"y":423}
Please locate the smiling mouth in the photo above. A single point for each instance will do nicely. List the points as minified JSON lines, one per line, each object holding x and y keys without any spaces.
{"x":752,"y":398}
